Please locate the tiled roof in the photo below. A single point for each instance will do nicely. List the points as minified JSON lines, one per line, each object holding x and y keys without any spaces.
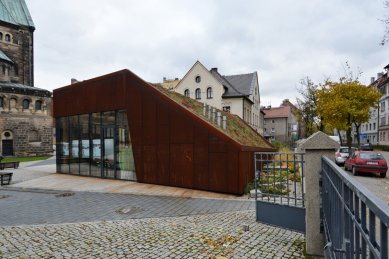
{"x":23,"y":89}
{"x":244,"y":83}
{"x":231,"y":90}
{"x":278,"y":112}
{"x":236,"y":85}
{"x":3,"y":56}
{"x":15,"y":12}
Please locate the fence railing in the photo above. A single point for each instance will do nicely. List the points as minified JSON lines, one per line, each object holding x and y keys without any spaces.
{"x":280,"y":178}
{"x":355,"y":221}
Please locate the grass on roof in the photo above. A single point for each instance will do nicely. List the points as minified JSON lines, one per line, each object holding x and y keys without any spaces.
{"x":237,"y":129}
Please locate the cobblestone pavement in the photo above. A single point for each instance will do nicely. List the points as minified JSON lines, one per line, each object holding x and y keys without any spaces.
{"x":219,"y":235}
{"x":25,"y":207}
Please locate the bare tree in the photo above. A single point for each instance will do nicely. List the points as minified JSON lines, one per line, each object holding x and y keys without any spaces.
{"x":385,"y":39}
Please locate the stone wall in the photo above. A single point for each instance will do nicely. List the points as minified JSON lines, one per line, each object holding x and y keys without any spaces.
{"x":30,"y":130}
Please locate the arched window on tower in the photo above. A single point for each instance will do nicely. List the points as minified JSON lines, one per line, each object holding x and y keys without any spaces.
{"x":7,"y":38}
{"x":26,"y":104}
{"x":1,"y":102}
{"x":38,"y":105}
{"x":1,"y":36}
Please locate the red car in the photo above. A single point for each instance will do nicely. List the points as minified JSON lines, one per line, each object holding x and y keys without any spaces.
{"x":366,"y":162}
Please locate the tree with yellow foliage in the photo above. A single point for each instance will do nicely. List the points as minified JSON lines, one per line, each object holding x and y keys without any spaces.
{"x":344,"y":103}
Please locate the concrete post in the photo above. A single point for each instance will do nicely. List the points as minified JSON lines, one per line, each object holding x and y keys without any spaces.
{"x":213,"y":118}
{"x":219,"y":119}
{"x":204,"y":109}
{"x":316,"y":146}
{"x":224,"y":122}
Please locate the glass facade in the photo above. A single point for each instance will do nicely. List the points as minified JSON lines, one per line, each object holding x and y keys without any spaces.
{"x":96,"y":144}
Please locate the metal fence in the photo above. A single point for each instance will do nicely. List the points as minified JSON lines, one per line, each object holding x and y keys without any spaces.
{"x":355,"y":221}
{"x":279,"y":189}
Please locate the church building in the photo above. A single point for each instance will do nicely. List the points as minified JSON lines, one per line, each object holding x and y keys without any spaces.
{"x":26,"y":124}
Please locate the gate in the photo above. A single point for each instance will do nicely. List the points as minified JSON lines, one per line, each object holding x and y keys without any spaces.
{"x":279,"y":189}
{"x":355,"y":221}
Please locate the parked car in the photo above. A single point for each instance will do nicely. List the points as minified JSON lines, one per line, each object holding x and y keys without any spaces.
{"x":366,"y":162}
{"x":342,"y":154}
{"x":366,"y":147}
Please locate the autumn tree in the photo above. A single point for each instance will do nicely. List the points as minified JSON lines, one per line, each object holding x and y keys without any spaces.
{"x":345,"y":103}
{"x":307,"y":107}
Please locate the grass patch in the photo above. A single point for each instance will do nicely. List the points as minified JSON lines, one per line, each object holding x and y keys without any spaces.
{"x":24,"y":159}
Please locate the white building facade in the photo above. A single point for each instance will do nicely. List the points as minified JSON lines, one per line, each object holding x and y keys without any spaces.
{"x":237,"y":94}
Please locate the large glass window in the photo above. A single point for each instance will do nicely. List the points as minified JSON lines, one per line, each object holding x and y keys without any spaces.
{"x":125,"y":157}
{"x":96,"y":144}
{"x":74,"y":130}
{"x":85,"y":145}
{"x":62,"y":146}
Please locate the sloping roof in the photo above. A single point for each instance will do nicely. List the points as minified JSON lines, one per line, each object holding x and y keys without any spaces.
{"x":8,"y":87}
{"x":237,"y":129}
{"x":244,"y":83}
{"x":3,"y":56}
{"x":278,"y":112}
{"x":231,"y":90}
{"x":15,"y":12}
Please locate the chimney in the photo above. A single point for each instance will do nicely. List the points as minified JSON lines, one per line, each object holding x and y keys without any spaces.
{"x":372,"y":79}
{"x":214,"y":69}
{"x":73,"y":81}
{"x":164,"y":79}
{"x":379,"y":75}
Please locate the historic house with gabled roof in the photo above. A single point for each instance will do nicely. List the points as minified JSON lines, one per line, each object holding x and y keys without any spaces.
{"x":237,"y":94}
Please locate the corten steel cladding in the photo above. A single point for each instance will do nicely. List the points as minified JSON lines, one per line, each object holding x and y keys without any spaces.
{"x":171,"y":145}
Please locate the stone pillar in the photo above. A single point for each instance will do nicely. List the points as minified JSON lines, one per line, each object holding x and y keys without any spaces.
{"x":316,"y":146}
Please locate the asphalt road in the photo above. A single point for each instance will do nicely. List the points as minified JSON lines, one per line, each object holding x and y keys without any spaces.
{"x":377,"y":185}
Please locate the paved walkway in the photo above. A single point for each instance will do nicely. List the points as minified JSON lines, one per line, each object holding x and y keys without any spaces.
{"x":206,"y":236}
{"x":25,"y":207}
{"x":52,"y":223}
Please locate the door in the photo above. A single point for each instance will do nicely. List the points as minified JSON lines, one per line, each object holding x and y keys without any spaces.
{"x":8,"y":149}
{"x":108,"y":156}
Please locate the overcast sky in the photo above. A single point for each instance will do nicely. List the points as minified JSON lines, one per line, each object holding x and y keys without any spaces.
{"x":284,"y":40}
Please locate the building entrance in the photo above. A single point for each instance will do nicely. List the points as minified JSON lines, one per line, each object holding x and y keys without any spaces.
{"x":7,"y":147}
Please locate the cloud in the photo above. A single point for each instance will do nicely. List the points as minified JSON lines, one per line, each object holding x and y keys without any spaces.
{"x":283,"y":41}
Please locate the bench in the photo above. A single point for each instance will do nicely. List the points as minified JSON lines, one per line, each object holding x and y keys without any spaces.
{"x":8,"y":165}
{"x":5,"y":178}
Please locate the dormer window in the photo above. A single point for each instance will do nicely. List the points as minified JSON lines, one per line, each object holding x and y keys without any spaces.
{"x":187,"y":93}
{"x":198,"y":79}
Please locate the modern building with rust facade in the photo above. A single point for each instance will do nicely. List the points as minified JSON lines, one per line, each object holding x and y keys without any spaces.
{"x":121,"y":127}
{"x":25,"y":111}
